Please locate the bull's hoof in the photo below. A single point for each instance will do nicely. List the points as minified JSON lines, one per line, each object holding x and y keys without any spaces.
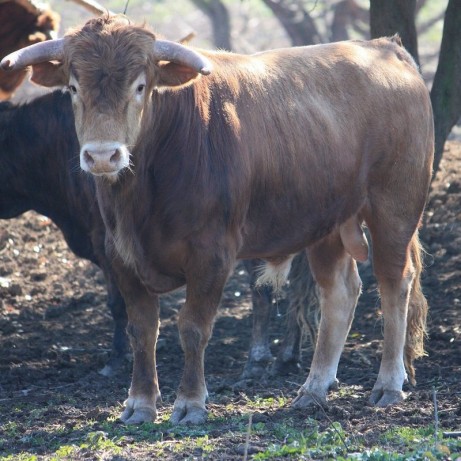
{"x":309,"y":399}
{"x":108,"y":371}
{"x":284,"y":367}
{"x":243,"y":385}
{"x":383,"y":398}
{"x":138,"y":415}
{"x":305,"y":400}
{"x":115,"y":364}
{"x":188,"y":415}
{"x":254,"y":369}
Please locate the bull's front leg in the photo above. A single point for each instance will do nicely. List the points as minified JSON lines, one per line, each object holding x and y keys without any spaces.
{"x":143,"y":325}
{"x":205,"y":285}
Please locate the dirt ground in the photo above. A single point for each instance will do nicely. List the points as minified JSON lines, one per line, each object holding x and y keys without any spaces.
{"x":56,"y":334}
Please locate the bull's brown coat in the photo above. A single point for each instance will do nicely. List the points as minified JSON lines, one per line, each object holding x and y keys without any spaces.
{"x":270,"y":154}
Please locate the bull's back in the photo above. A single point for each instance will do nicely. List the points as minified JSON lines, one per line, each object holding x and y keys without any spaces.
{"x":319,"y":127}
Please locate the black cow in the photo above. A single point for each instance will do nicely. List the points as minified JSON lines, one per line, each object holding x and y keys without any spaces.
{"x":39,"y":171}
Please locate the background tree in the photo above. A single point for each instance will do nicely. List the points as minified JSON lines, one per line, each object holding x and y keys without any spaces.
{"x":348,"y":14}
{"x":446,"y":89}
{"x":388,"y":17}
{"x":296,"y":20}
{"x":220,"y":21}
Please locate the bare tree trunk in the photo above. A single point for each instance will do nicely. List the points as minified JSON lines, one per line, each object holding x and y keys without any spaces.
{"x":220,"y":21}
{"x":348,"y":13}
{"x":388,"y":17}
{"x":446,"y":89}
{"x":296,"y":21}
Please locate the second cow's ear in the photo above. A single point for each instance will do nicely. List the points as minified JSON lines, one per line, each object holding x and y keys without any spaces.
{"x":172,"y":74}
{"x":48,"y":74}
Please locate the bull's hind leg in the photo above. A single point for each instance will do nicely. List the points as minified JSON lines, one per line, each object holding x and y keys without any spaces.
{"x":397,"y":266}
{"x":205,"y":284}
{"x":335,"y":272}
{"x":259,"y":355}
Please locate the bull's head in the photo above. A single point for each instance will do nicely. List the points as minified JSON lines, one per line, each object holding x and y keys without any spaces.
{"x":110,"y":68}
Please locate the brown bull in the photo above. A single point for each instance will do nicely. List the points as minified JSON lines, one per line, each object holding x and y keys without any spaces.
{"x":204,"y":157}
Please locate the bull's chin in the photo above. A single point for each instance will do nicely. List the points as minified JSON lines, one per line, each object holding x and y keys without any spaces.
{"x":109,"y":176}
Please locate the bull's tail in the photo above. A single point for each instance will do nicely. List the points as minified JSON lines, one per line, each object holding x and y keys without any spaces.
{"x":417,"y":313}
{"x":303,"y":299}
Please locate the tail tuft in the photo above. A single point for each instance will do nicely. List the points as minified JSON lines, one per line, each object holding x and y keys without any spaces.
{"x":417,"y":314}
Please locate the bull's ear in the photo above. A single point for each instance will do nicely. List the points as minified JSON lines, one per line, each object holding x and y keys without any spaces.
{"x":172,"y":74}
{"x":48,"y":74}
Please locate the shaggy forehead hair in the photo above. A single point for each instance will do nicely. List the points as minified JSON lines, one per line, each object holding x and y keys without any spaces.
{"x":107,"y":54}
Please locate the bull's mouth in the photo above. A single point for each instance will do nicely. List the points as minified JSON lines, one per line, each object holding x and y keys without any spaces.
{"x":104,"y":158}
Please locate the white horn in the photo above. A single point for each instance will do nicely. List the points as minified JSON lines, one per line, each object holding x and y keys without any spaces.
{"x":164,"y":50}
{"x":93,"y":7}
{"x":51,"y":50}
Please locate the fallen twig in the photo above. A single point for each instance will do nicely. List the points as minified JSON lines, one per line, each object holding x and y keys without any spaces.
{"x":436,"y":416}
{"x":452,"y":434}
{"x":247,"y":440}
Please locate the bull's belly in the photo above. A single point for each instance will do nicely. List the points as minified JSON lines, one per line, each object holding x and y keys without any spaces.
{"x":276,"y":239}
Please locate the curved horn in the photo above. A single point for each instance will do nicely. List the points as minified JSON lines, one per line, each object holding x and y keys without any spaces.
{"x":92,"y":6}
{"x":164,"y":50}
{"x":39,"y":52}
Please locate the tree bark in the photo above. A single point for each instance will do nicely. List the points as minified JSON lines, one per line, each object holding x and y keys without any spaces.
{"x":296,"y":21}
{"x":446,"y":89}
{"x":348,"y":13}
{"x":220,"y":22}
{"x":388,"y":17}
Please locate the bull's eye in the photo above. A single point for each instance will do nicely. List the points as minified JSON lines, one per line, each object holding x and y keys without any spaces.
{"x":140,"y":88}
{"x":72,"y":89}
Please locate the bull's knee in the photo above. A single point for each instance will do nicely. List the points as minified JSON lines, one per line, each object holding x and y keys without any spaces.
{"x":140,"y":337}
{"x":194,"y":337}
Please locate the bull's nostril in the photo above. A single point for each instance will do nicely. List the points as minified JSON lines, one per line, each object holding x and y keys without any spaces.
{"x":115,"y":157}
{"x":88,"y":158}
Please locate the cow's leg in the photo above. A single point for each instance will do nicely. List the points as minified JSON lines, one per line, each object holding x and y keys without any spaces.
{"x":143,"y":325}
{"x":259,"y":355}
{"x":287,"y":359}
{"x":397,"y":265}
{"x":339,"y":286}
{"x":120,"y":344}
{"x":205,"y":285}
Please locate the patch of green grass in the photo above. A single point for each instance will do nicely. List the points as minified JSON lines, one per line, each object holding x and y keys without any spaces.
{"x":268,"y":403}
{"x":94,"y":443}
{"x":408,"y":436}
{"x":310,"y":442}
{"x":20,"y":457}
{"x":399,"y":444}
